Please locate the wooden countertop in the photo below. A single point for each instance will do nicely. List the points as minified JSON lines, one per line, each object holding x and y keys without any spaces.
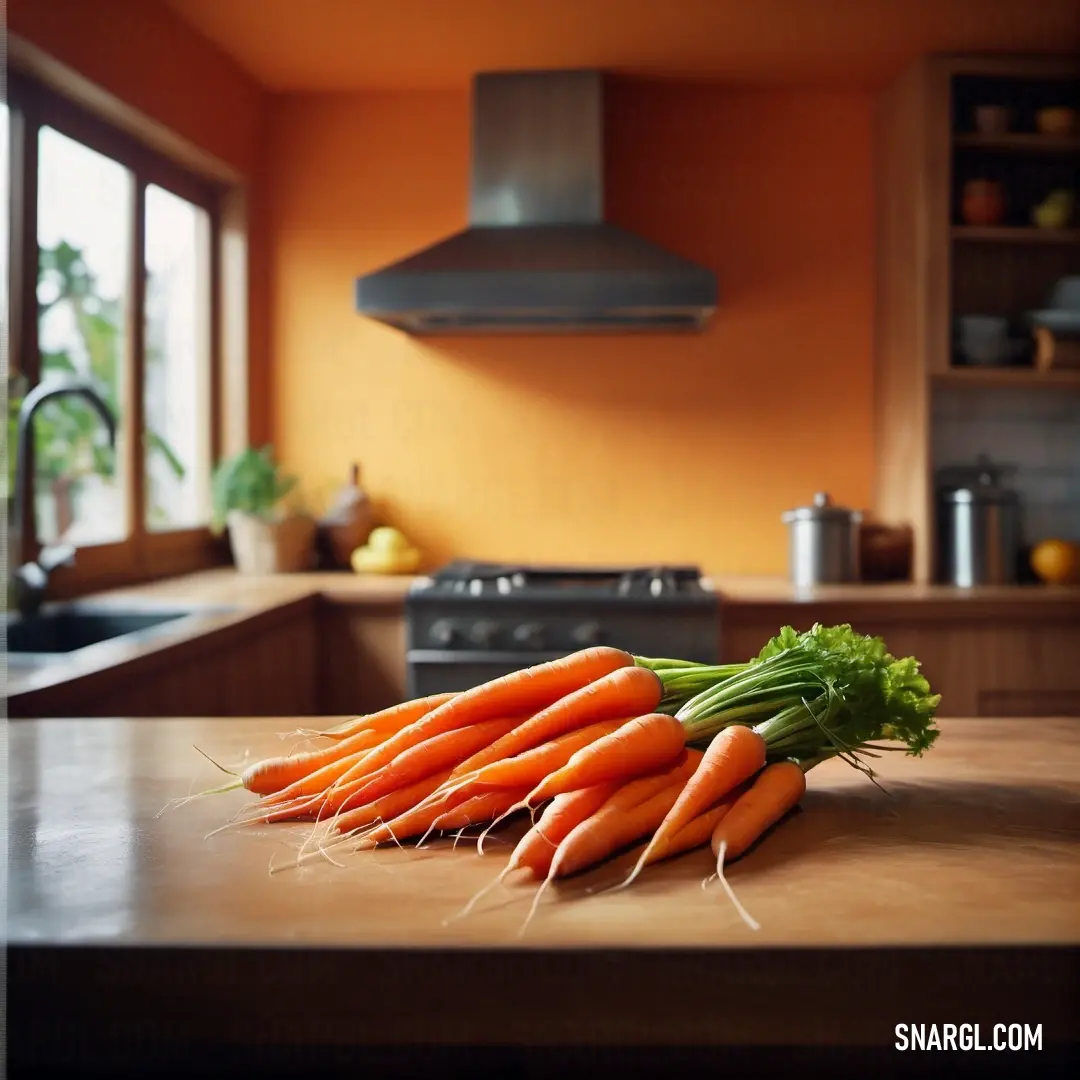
{"x":979,"y":844}
{"x":976,"y":852}
{"x":226,"y":601}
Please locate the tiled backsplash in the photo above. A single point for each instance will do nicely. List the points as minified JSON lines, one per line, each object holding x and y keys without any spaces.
{"x":1035,"y":430}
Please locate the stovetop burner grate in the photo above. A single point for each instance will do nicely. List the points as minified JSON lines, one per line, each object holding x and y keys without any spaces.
{"x":466,"y":578}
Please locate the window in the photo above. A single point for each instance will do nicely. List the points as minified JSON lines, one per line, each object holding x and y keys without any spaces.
{"x":113,"y":253}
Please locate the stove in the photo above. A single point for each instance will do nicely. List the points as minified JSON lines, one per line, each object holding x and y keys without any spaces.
{"x":474,"y":621}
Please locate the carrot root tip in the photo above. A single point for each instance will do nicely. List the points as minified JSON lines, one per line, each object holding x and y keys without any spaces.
{"x":743,"y":913}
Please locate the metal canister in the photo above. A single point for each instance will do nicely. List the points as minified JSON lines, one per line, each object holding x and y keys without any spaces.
{"x":978,"y":529}
{"x":823,"y":543}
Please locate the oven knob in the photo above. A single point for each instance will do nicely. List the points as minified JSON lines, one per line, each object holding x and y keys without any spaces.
{"x":530,"y":634}
{"x":443,"y":633}
{"x":483,"y":633}
{"x":588,"y":633}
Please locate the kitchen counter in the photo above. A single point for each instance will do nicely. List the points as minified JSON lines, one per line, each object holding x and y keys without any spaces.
{"x":902,"y":597}
{"x":956,"y":896}
{"x":228,"y":603}
{"x":222,"y":602}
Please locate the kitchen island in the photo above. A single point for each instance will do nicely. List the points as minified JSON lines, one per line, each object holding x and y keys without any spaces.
{"x":953,"y":898}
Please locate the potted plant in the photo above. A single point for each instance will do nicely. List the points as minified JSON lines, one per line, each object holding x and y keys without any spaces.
{"x":248,"y":493}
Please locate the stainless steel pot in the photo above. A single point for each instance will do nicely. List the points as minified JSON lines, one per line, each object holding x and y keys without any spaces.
{"x":978,"y":526}
{"x":823,"y":543}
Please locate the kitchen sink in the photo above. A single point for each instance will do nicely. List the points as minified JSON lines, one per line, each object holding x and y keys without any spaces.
{"x":63,"y":631}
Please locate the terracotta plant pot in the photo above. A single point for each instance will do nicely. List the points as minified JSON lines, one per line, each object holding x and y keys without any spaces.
{"x":260,"y":546}
{"x":983,"y":203}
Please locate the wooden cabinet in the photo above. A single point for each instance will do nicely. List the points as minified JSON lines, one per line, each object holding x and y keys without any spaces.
{"x":264,"y":666}
{"x":932,"y":266}
{"x":1023,"y":664}
{"x":360,"y":666}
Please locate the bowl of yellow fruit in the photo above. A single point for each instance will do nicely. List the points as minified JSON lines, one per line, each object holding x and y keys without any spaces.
{"x":1056,"y":562}
{"x":387,"y":551}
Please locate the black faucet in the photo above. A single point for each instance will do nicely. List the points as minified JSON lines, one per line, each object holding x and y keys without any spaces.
{"x":31,"y":578}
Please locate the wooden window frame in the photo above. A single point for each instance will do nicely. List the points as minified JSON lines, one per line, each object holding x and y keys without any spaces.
{"x":143,"y":554}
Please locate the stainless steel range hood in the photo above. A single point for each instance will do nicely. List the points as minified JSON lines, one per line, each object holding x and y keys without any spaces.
{"x":538,"y":255}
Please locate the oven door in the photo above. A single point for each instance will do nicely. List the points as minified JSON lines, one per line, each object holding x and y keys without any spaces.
{"x":442,"y":671}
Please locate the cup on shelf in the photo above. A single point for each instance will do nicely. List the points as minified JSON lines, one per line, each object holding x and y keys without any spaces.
{"x":983,"y":203}
{"x":983,"y":339}
{"x":992,"y":119}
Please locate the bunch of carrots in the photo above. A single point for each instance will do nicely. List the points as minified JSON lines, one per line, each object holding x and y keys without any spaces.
{"x":605,"y":750}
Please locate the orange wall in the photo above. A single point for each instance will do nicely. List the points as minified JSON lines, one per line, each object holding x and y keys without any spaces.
{"x":147,"y":57}
{"x":619,"y":448}
{"x":594,"y":448}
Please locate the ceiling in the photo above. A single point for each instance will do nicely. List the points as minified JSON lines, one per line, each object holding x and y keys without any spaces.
{"x":341,"y":45}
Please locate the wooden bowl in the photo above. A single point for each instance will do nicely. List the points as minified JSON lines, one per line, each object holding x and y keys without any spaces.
{"x":1056,"y":121}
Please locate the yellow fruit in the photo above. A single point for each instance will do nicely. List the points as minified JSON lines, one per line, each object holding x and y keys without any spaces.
{"x":1056,"y":562}
{"x":368,"y":560}
{"x":387,"y":539}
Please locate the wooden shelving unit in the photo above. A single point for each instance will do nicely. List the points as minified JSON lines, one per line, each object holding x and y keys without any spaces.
{"x":1013,"y":234}
{"x":1020,"y":377}
{"x":932,"y":267}
{"x":1020,"y":143}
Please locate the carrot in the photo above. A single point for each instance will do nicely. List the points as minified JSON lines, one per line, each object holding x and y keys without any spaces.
{"x":414,"y":822}
{"x":641,"y":746}
{"x":523,"y":771}
{"x":634,"y":792}
{"x":777,"y":790}
{"x":432,"y":754}
{"x":272,"y":775}
{"x":388,"y":721}
{"x":536,"y":848}
{"x":733,"y":756}
{"x":627,"y":691}
{"x":533,"y":765}
{"x":609,"y":829}
{"x":694,"y":834}
{"x":390,"y":806}
{"x":521,"y":692}
{"x":601,"y":835}
{"x":526,"y":769}
{"x":478,"y":808}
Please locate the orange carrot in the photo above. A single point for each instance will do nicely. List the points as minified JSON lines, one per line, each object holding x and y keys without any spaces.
{"x":627,"y":691}
{"x":777,"y":790}
{"x":610,"y":829}
{"x":569,"y":809}
{"x":388,"y":721}
{"x":519,"y":693}
{"x":641,"y":746}
{"x":520,"y":772}
{"x":414,"y":822}
{"x":533,"y":765}
{"x":277,"y":774}
{"x":390,"y":806}
{"x":695,"y":833}
{"x":479,"y":808}
{"x":733,"y":756}
{"x":431,"y":755}
{"x":534,"y":851}
{"x":565,"y":812}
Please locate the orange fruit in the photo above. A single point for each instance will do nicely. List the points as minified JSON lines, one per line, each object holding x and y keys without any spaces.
{"x":1056,"y":562}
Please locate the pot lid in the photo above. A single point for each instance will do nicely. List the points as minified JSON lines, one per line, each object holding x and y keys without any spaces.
{"x":822,"y":509}
{"x":980,"y":482}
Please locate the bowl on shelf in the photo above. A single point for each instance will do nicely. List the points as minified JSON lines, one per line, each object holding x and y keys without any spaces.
{"x":1055,"y":211}
{"x":992,"y":119}
{"x":1057,"y":120}
{"x":983,"y":339}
